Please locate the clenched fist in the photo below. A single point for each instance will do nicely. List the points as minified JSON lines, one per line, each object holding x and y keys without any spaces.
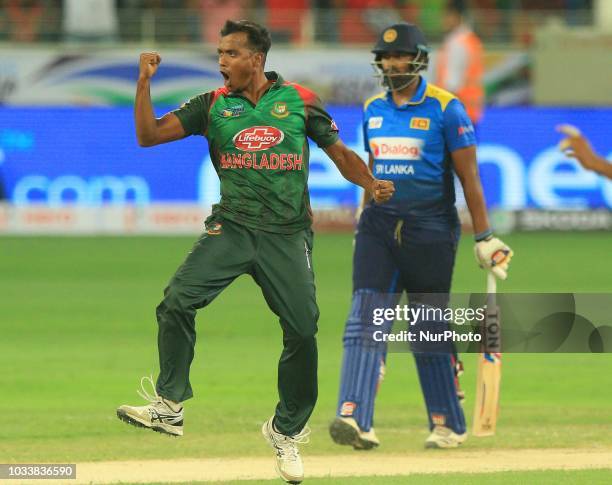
{"x":149,"y":62}
{"x":382,"y":190}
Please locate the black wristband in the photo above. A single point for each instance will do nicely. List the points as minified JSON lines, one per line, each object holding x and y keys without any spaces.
{"x":481,"y":236}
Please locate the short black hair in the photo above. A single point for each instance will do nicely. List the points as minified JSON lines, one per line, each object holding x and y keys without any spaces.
{"x":257,"y":35}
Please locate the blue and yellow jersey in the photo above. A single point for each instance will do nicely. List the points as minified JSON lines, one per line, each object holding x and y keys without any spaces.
{"x":411,"y":145}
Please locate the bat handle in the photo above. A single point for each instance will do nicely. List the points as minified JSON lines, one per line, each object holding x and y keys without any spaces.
{"x":491,"y":283}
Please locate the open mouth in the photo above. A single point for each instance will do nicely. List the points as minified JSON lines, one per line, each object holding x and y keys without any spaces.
{"x":225,"y":75}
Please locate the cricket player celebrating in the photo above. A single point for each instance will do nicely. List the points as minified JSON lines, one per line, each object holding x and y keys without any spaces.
{"x":257,"y":126}
{"x":416,"y":134}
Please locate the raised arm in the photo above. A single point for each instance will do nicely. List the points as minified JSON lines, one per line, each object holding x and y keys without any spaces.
{"x":150,"y":130}
{"x":354,"y":170}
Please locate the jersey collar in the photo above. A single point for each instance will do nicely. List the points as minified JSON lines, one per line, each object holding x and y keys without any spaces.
{"x":417,"y":98}
{"x":271,"y":76}
{"x":276,"y":77}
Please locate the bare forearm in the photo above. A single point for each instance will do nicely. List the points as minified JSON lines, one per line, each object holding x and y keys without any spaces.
{"x":603,"y":167}
{"x":466,"y":167}
{"x":354,"y":170}
{"x":144,"y":116}
{"x":367,"y":195}
{"x":475,"y":200}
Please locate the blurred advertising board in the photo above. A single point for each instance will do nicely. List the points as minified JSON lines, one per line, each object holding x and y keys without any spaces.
{"x":106,"y":77}
{"x":88,"y":158}
{"x":71,"y":76}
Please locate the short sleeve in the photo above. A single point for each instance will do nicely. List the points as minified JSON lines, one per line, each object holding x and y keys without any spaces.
{"x":320,"y":127}
{"x":364,"y":126}
{"x":458,"y":129}
{"x":193,"y":114}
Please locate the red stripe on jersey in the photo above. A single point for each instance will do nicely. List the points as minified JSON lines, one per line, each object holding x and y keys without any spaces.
{"x":217,"y":93}
{"x":306,"y":94}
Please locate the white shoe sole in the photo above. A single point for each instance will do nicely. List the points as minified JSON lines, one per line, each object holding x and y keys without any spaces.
{"x":434,"y":445}
{"x":443,"y":445}
{"x":287,"y":478}
{"x":163,"y":428}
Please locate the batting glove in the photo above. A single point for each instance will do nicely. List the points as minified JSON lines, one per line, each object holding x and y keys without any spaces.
{"x":494,"y":255}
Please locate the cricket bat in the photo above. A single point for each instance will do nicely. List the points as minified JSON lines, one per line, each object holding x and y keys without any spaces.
{"x":486,"y":409}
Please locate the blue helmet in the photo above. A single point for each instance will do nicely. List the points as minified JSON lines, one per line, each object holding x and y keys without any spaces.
{"x":401,"y":38}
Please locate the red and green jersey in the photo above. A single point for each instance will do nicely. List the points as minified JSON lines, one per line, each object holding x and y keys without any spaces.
{"x":260,"y":152}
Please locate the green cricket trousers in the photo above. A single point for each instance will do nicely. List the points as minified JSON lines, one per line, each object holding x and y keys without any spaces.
{"x":282,"y":267}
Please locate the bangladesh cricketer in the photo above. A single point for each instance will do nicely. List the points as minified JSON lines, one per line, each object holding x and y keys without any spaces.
{"x":417,"y":135}
{"x":257,"y":126}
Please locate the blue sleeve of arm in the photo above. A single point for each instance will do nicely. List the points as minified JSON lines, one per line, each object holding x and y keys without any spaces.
{"x":458,"y":129}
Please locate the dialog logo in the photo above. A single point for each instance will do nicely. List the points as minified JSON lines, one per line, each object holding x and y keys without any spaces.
{"x":257,"y":138}
{"x":396,"y":148}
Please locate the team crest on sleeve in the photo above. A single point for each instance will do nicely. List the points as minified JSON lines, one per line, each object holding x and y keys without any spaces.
{"x":280,"y":110}
{"x":419,"y":123}
{"x":464,"y":130}
{"x":213,"y":229}
{"x":334,"y":126}
{"x":375,"y":122}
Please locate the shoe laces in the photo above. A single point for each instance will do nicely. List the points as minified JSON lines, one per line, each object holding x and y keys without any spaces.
{"x":286,"y":445}
{"x":143,"y":393}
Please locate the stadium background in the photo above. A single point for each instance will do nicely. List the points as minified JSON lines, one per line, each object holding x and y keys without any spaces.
{"x":76,"y":313}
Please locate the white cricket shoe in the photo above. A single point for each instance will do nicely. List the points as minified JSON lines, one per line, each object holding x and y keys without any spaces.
{"x":346,"y":431}
{"x":158,"y":415}
{"x":443,"y":437}
{"x":288,"y":460}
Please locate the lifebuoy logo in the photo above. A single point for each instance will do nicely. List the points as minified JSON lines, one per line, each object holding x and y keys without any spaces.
{"x":396,"y":148}
{"x":257,"y":138}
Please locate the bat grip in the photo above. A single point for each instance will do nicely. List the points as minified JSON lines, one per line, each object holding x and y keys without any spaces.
{"x":491,"y":283}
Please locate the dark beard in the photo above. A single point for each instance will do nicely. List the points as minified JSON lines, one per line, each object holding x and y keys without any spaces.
{"x":399,"y":82}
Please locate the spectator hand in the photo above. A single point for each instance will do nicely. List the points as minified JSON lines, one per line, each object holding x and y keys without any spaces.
{"x":577,"y":146}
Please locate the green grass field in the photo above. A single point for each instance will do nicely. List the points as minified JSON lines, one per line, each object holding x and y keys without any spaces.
{"x":77,"y":331}
{"x":547,"y":477}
